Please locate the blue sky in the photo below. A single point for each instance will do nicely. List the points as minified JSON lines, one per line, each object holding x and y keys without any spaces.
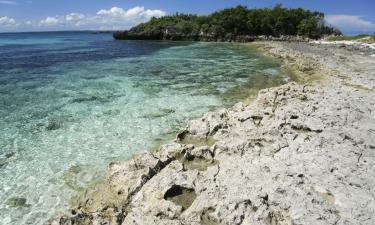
{"x":37,"y":15}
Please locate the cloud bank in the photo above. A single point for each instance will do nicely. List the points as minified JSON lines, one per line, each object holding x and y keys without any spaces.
{"x":351,"y":24}
{"x":115,"y":18}
{"x":7,"y":22}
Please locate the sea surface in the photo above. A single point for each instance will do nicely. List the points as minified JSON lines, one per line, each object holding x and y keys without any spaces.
{"x":72,"y":102}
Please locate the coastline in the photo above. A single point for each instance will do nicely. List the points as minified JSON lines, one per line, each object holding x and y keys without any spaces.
{"x":300,"y":153}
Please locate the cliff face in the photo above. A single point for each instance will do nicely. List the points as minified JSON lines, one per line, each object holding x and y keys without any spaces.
{"x":299,"y":154}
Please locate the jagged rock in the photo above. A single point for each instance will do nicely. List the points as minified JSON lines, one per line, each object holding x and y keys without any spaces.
{"x":125,"y":178}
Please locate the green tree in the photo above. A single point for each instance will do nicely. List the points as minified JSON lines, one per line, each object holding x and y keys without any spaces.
{"x":233,"y":22}
{"x":307,"y":27}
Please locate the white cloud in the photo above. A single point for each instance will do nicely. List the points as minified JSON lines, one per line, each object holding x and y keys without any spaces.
{"x":7,"y":22}
{"x":349,"y":23}
{"x":114,"y":18}
{"x":133,"y":13}
{"x":49,"y":21}
{"x":74,"y":17}
{"x":8,"y":2}
{"x":118,"y":18}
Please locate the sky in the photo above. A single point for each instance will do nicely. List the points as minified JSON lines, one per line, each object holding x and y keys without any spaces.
{"x":350,"y":16}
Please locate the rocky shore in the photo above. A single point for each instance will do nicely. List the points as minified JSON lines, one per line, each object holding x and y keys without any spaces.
{"x":127,"y":35}
{"x":302,"y":153}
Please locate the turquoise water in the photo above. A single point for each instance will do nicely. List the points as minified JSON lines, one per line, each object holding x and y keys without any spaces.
{"x":73,"y":102}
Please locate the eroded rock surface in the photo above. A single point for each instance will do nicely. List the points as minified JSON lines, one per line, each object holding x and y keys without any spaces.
{"x":299,"y":154}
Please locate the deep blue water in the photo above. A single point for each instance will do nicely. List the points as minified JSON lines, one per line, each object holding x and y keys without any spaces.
{"x":71,"y":102}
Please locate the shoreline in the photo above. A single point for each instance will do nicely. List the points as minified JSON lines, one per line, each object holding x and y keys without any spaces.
{"x":286,"y":158}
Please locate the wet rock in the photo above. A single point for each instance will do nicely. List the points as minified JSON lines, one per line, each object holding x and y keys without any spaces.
{"x":195,"y":140}
{"x":181,"y":196}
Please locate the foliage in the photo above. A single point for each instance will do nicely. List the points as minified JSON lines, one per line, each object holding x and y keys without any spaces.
{"x":238,"y":21}
{"x":353,"y":38}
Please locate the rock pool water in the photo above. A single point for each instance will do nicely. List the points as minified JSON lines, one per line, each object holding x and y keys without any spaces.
{"x":70,"y":103}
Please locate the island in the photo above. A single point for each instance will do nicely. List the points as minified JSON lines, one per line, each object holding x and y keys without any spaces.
{"x":233,"y":24}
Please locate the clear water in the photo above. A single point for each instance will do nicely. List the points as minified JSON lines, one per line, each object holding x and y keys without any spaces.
{"x":70,"y":103}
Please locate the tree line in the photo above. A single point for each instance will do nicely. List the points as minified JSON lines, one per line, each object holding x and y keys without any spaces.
{"x":234,"y":22}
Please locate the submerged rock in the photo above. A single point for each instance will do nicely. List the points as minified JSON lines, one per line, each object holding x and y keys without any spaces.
{"x":4,"y":159}
{"x":17,"y":202}
{"x":54,"y":124}
{"x":161,"y":113}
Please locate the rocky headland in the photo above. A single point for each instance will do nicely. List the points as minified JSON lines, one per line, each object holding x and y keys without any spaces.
{"x":301,"y":153}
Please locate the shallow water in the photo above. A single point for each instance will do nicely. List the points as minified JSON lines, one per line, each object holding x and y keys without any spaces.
{"x":73,"y":102}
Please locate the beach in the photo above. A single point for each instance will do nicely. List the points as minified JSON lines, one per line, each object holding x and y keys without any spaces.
{"x":300,"y":153}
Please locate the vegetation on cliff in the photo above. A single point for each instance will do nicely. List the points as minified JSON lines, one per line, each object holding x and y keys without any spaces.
{"x":239,"y":23}
{"x":359,"y":37}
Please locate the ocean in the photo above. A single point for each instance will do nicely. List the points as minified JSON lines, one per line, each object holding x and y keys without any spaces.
{"x":72,"y":102}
